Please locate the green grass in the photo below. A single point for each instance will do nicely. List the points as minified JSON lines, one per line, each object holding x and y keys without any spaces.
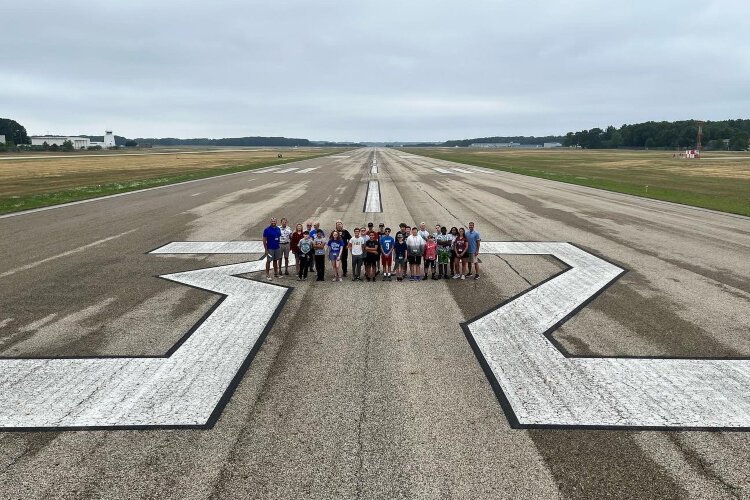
{"x":27,"y":202}
{"x":653,"y":175}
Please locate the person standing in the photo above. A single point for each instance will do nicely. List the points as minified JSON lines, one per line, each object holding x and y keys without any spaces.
{"x":297,"y":236}
{"x":453,"y":233}
{"x":272,"y":248}
{"x":402,"y":231}
{"x":285,"y":243}
{"x":430,"y":256}
{"x":372,"y":250}
{"x":316,"y":227}
{"x":335,"y":249}
{"x":357,"y":248}
{"x":472,"y":255}
{"x":437,"y":231}
{"x":460,"y":246}
{"x":400,"y":250}
{"x":319,"y":247}
{"x":443,"y":241}
{"x":415,"y":248}
{"x":423,"y":232}
{"x":344,"y":236}
{"x":304,"y":255}
{"x":386,"y":255}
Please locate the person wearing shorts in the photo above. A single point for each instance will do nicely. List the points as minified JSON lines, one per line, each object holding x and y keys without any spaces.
{"x":399,"y":252}
{"x":443,"y":241}
{"x":285,"y":243}
{"x":472,"y":255}
{"x":415,"y":248}
{"x":430,"y":256}
{"x":372,"y":250}
{"x":304,"y":255}
{"x":386,"y":255}
{"x":335,"y":249}
{"x":272,"y":248}
{"x":460,"y":247}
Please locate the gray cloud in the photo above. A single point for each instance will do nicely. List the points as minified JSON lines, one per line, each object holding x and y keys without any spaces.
{"x":420,"y":70}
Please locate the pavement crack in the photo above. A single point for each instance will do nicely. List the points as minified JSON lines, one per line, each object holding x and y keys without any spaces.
{"x":696,"y":461}
{"x":514,"y":270}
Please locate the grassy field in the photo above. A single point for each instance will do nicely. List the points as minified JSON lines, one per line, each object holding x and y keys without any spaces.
{"x":44,"y":181}
{"x":719,"y":181}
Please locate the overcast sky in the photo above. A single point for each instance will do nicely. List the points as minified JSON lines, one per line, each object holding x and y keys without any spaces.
{"x":370,"y":70}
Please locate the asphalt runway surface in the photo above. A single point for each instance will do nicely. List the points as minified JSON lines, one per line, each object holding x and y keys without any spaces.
{"x":372,"y":390}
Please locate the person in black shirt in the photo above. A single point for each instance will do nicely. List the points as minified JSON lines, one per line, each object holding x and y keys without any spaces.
{"x":372,"y":254}
{"x":345,"y":236}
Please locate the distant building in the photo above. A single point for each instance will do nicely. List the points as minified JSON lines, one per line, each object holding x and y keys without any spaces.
{"x":495,"y":145}
{"x":78,"y":142}
{"x":52,"y":140}
{"x":552,"y":145}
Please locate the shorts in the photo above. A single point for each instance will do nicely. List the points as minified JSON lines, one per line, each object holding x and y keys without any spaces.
{"x":415,"y":259}
{"x":429,"y":263}
{"x":386,"y":259}
{"x":400,"y":261}
{"x":371,"y":258}
{"x":274,"y":254}
{"x":473,"y":258}
{"x":285,"y":250}
{"x":333,"y":256}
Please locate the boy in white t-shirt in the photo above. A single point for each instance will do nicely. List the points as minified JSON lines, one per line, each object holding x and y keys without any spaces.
{"x":356,"y":249}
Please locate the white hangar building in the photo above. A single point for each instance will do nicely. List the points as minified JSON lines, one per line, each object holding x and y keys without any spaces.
{"x":78,"y":142}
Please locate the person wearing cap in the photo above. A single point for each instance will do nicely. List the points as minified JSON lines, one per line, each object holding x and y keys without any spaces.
{"x":344,"y":236}
{"x":272,"y":248}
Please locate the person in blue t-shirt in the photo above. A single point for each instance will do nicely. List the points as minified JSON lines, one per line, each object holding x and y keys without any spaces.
{"x":386,"y":255}
{"x":335,"y":249}
{"x":272,"y":248}
{"x":400,"y":250}
{"x":472,"y":255}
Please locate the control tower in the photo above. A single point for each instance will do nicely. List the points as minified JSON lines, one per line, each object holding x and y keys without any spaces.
{"x":109,"y":139}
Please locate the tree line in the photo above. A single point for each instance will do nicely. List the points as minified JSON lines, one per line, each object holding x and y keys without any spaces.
{"x":520,"y":139}
{"x":717,"y":135}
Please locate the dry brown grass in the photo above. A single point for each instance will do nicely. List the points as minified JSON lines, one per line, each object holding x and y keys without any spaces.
{"x":48,"y":175}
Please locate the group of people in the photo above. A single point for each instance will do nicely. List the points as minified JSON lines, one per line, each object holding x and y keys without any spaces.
{"x":412,"y":252}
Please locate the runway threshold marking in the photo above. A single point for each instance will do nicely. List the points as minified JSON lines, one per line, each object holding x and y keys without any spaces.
{"x":287,"y":170}
{"x":306,"y":170}
{"x":186,"y":388}
{"x":441,"y":170}
{"x":540,"y":386}
{"x":463,"y":171}
{"x":372,"y":199}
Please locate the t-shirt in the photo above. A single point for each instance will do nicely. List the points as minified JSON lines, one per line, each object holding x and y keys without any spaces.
{"x":473,"y":237}
{"x":372,"y":244}
{"x":272,"y":234}
{"x":402,"y":233}
{"x":334,"y":248}
{"x":305,"y":246}
{"x":424,"y":234}
{"x":460,"y":244}
{"x":286,"y":233}
{"x":318,"y":241}
{"x":386,"y":243}
{"x":296,"y":238}
{"x":443,"y":240}
{"x":357,"y":244}
{"x":415,"y":244}
{"x":430,"y":250}
{"x":399,"y":249}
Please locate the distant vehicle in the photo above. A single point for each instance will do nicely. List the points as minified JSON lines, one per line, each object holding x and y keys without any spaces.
{"x":278,"y":155}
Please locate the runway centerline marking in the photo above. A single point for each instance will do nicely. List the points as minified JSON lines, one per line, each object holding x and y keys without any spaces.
{"x":188,"y":387}
{"x":372,"y":199}
{"x":441,"y":170}
{"x":541,"y":387}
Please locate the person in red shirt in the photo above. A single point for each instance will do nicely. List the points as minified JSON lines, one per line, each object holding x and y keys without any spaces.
{"x":430,"y":256}
{"x":294,"y":244}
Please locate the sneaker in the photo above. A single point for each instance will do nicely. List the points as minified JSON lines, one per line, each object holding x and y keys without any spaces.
{"x":319,"y":279}
{"x":286,"y":273}
{"x":334,"y":280}
{"x":476,"y":276}
{"x":276,"y":276}
{"x":299,"y":278}
{"x":463,"y":277}
{"x":344,"y":275}
{"x":367,"y":278}
{"x":268,"y":277}
{"x":455,"y":276}
{"x":354,"y":278}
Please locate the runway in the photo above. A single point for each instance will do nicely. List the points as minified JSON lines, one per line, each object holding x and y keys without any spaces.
{"x":376,"y":390}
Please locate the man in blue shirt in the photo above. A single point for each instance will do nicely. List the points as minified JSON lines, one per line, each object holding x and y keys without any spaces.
{"x":472,"y":255}
{"x":272,"y":247}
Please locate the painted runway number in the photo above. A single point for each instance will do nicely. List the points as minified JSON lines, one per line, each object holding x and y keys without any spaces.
{"x":537,"y":385}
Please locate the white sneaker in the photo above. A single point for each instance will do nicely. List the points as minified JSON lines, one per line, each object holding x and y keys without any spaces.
{"x":455,"y":276}
{"x":463,"y":277}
